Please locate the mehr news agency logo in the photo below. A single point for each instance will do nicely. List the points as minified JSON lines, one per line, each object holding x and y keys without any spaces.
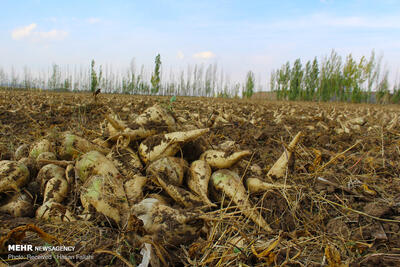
{"x":31,"y":248}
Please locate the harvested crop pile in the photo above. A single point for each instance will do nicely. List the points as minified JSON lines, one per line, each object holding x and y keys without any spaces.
{"x":136,"y":179}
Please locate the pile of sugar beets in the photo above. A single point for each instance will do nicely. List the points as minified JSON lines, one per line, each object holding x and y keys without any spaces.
{"x":154,"y":188}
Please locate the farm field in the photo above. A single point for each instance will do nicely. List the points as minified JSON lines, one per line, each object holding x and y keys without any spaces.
{"x":337,"y":204}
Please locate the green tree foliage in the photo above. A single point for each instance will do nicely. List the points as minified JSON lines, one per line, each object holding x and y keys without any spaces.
{"x":310,"y":80}
{"x":236,"y":90}
{"x":396,"y":94}
{"x":314,"y":76}
{"x":330,"y":78}
{"x":155,"y":78}
{"x":382,"y":93}
{"x":333,"y":80}
{"x":349,"y":77}
{"x":296,"y":76}
{"x":280,"y":80}
{"x":249,"y":86}
{"x":54,"y":81}
{"x":272,"y":82}
{"x":208,"y":82}
{"x":3,"y":77}
{"x":27,"y":78}
{"x":67,"y":84}
{"x":284,"y":78}
{"x":93,"y":77}
{"x":371,"y":72}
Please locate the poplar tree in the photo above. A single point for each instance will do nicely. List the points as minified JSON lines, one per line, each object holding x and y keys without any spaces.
{"x":93,"y":78}
{"x":155,"y":78}
{"x":249,"y":87}
{"x":295,"y":80}
{"x":314,"y":77}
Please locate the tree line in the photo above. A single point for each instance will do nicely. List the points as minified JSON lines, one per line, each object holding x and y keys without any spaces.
{"x":197,"y":80}
{"x":328,"y":79}
{"x":335,"y":79}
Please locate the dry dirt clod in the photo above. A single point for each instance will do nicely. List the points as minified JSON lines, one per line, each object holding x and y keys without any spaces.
{"x":377,"y":209}
{"x":228,"y":145}
{"x":167,"y":225}
{"x":20,"y":204}
{"x":336,"y":226}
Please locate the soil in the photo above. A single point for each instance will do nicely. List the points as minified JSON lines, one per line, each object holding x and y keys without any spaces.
{"x":356,"y":214}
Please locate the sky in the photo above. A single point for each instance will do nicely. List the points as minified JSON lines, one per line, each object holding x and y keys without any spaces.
{"x":238,"y":35}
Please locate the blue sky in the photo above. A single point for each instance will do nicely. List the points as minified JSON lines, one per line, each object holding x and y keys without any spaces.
{"x":237,"y":35}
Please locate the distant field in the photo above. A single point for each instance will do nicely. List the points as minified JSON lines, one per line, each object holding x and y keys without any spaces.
{"x":264,"y":95}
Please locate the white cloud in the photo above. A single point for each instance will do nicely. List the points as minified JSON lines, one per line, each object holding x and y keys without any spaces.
{"x":29,"y":32}
{"x":204,"y":55}
{"x":180,"y":55}
{"x":93,"y":20}
{"x":22,"y":32}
